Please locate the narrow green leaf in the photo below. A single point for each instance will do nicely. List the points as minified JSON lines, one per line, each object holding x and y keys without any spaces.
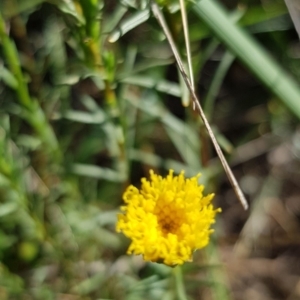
{"x":216,"y":83}
{"x":8,"y":208}
{"x":128,"y":24}
{"x":81,"y":117}
{"x":97,"y":172}
{"x":163,"y":86}
{"x":8,"y":78}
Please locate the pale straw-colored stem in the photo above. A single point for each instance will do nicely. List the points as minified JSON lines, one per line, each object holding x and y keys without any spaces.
{"x":196,"y":105}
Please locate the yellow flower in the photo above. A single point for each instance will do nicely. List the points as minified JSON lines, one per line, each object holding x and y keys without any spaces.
{"x":167,"y":219}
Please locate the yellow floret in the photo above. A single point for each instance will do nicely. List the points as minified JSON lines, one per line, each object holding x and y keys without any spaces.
{"x":167,"y":219}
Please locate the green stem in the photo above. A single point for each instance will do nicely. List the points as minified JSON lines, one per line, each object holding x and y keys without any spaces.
{"x":33,"y":113}
{"x":97,"y":60}
{"x":92,"y":33}
{"x":10,"y":53}
{"x":179,"y":284}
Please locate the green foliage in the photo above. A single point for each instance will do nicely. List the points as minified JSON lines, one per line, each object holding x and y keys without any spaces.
{"x":88,"y":103}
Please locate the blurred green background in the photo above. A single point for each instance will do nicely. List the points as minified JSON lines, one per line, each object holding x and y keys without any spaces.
{"x":91,"y":99}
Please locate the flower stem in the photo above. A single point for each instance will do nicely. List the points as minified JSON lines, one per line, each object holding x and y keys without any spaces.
{"x":179,"y":284}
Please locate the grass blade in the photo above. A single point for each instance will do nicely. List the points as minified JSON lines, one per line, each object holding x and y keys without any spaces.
{"x":250,"y":53}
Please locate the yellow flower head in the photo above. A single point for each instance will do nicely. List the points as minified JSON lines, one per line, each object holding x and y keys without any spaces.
{"x":167,"y":219}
